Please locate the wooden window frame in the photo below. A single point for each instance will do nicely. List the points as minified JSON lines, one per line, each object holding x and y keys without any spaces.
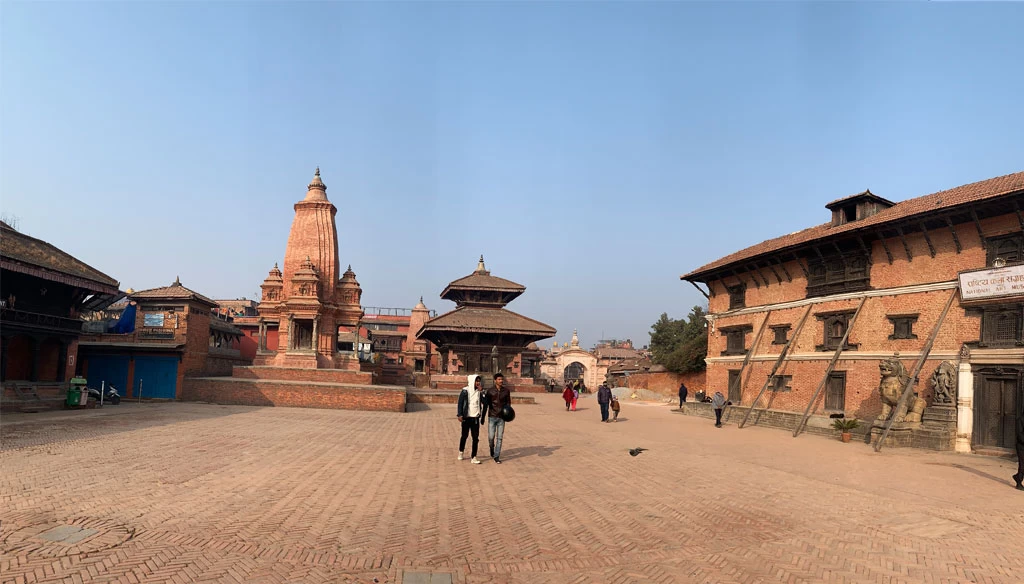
{"x":829,"y":319}
{"x":737,"y":296}
{"x":992,"y":245}
{"x":902,"y":326}
{"x":782,"y":383}
{"x":732,"y":333}
{"x":781,"y":333}
{"x":837,"y":274}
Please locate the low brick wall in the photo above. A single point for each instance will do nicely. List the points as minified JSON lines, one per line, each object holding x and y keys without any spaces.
{"x":452,"y":397}
{"x":667,"y":384}
{"x":819,"y":425}
{"x":299,"y":374}
{"x":51,"y":397}
{"x":294,"y":394}
{"x":222,"y":364}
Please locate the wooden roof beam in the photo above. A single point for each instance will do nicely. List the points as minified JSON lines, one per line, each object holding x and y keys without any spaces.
{"x":977,"y":224}
{"x":694,"y":284}
{"x":906,"y":248}
{"x":928,"y":240}
{"x":1020,"y":216}
{"x":956,"y":240}
{"x":782,"y":265}
{"x":774,"y":272}
{"x":888,"y":253}
{"x":760,"y":274}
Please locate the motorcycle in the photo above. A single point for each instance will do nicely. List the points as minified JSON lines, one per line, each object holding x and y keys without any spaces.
{"x":110,"y":397}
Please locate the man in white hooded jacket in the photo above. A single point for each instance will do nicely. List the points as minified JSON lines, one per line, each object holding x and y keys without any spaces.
{"x":470,"y":412}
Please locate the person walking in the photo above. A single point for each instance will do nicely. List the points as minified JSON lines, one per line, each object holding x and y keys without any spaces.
{"x":494,"y":400}
{"x":717,"y":403}
{"x":1019,"y":477}
{"x":604,"y":398}
{"x":567,"y":395}
{"x":469,"y":411}
{"x":615,"y":408}
{"x":682,"y":394}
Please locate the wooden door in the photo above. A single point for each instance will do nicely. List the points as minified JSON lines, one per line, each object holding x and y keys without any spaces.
{"x":835,"y":392}
{"x":997,"y":395}
{"x":735,"y":392}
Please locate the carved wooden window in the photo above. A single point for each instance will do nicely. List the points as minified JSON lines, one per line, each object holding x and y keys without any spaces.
{"x":781,"y":383}
{"x":781,"y":334}
{"x":485,"y":364}
{"x":902,"y":326}
{"x":736,"y":339}
{"x":737,"y":296}
{"x":1001,"y":326}
{"x":834,"y":325}
{"x":1009,"y":248}
{"x":419,"y":366}
{"x":735,"y":393}
{"x":835,"y":391}
{"x":836,"y":274}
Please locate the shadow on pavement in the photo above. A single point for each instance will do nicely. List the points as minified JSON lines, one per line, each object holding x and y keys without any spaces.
{"x":524,"y":451}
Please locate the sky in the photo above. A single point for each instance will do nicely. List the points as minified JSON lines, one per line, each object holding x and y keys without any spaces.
{"x":592,"y":152}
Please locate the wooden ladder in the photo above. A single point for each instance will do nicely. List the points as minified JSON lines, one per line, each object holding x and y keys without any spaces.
{"x":907,"y":389}
{"x":26,"y":395}
{"x":778,"y":363}
{"x":831,"y":365}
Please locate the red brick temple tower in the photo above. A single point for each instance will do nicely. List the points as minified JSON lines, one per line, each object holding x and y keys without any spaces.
{"x":307,"y":301}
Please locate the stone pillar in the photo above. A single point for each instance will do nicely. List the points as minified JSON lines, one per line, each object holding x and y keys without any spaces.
{"x":315,"y":341}
{"x":34,"y":374}
{"x":964,"y":408}
{"x":260,"y":336}
{"x":62,"y":361}
{"x":291,"y":331}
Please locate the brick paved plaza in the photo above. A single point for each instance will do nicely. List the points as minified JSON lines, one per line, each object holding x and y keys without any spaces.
{"x":192,"y":492}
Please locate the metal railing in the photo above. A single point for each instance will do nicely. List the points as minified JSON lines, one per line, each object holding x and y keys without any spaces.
{"x":10,"y":315}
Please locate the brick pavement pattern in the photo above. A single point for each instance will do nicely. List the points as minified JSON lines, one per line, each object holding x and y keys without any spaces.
{"x":184,"y":492}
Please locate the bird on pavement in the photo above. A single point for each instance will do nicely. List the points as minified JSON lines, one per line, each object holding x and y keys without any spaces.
{"x":636,"y":451}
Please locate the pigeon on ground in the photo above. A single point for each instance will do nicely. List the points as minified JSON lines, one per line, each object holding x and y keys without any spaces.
{"x":636,"y":451}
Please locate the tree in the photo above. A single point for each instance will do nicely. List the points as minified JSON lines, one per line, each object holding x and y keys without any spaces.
{"x":680,"y":345}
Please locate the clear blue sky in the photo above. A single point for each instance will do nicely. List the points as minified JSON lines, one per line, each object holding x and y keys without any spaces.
{"x":591,"y":151}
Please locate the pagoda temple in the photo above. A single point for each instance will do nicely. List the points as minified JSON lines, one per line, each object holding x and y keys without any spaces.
{"x":482,"y":336}
{"x":306,"y":302}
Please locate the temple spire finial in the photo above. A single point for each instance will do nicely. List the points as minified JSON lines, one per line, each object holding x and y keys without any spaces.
{"x":480,"y":266}
{"x":177,"y":281}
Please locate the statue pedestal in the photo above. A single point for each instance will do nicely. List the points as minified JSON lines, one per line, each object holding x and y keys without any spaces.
{"x":938,"y":432}
{"x":900,"y":435}
{"x":940,"y":416}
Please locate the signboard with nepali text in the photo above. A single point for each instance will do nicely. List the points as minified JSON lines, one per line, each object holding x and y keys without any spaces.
{"x":992,"y":283}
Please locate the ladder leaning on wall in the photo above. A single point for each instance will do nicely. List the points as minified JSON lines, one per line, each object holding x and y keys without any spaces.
{"x":778,"y":363}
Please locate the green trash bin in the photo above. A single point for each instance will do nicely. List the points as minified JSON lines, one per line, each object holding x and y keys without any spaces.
{"x":75,"y":390}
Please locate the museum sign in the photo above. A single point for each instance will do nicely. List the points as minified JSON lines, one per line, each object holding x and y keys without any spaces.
{"x":992,"y":283}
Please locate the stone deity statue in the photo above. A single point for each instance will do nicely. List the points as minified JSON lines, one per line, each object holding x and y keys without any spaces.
{"x":944,"y":381}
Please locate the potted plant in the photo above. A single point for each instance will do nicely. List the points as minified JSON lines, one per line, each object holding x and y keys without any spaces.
{"x":844,"y":426}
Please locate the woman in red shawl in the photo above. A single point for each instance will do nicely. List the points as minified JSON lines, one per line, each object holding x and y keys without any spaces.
{"x":567,"y":396}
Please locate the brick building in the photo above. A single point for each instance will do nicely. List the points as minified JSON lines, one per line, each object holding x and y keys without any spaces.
{"x":43,"y":292}
{"x":177,"y":333}
{"x":810,"y":317}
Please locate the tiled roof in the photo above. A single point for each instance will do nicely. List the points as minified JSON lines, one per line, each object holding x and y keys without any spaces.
{"x":615,"y":353}
{"x":22,"y":248}
{"x":484,"y":282}
{"x":861,"y":195}
{"x":173,"y":292}
{"x":970,"y":193}
{"x":217,"y":324}
{"x":489,"y":320}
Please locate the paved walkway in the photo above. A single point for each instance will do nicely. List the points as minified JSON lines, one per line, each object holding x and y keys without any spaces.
{"x":194,"y":492}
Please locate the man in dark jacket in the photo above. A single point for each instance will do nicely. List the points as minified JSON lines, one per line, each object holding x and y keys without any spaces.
{"x":1019,"y":477}
{"x":495,"y":399}
{"x":604,"y":397}
{"x":682,"y":394}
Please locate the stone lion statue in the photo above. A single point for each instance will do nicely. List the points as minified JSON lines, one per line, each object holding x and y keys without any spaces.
{"x":944,"y":381}
{"x":894,"y":379}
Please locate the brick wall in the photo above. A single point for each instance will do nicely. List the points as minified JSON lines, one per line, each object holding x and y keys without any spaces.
{"x":252,"y":392}
{"x":299,"y":374}
{"x":667,"y":383}
{"x":217,"y":365}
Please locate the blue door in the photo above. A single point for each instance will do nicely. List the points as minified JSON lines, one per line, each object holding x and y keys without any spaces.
{"x":157,"y":376}
{"x":112,"y":369}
